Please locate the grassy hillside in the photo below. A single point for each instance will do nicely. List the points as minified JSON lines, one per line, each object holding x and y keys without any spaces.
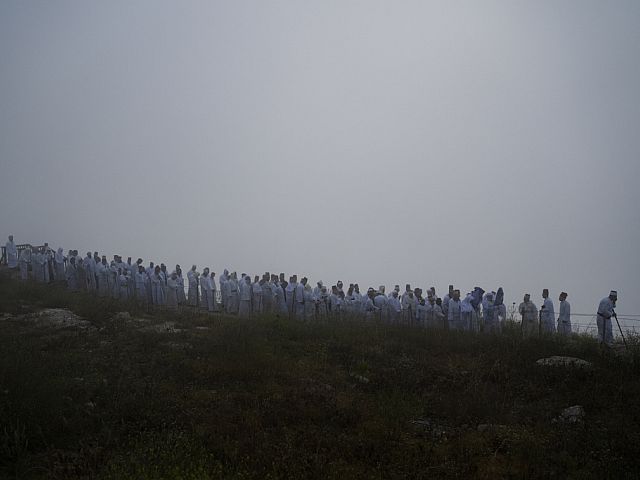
{"x":197,"y":397}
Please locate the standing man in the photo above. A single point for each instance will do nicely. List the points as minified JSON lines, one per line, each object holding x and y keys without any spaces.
{"x":25,"y":260}
{"x":529,"y":313}
{"x":564,"y":319}
{"x":299,"y":298}
{"x":605,"y":312}
{"x":244,"y":308}
{"x":192,"y":279}
{"x":445,"y":302}
{"x":172,"y":291}
{"x":394,"y":306}
{"x":206,"y":291}
{"x":454,"y":311}
{"x":256,"y":295}
{"x":547,"y":314}
{"x":90,"y":267}
{"x":59,"y":265}
{"x":12,"y":253}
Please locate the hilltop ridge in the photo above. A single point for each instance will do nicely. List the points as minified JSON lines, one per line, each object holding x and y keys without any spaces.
{"x":90,"y":391}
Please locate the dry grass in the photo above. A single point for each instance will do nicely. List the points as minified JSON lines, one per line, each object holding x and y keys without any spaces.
{"x":270,"y":398}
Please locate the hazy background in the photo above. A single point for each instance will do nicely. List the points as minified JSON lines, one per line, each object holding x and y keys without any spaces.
{"x":475,"y":143}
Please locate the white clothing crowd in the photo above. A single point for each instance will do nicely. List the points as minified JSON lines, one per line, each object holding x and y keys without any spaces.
{"x":272,"y":294}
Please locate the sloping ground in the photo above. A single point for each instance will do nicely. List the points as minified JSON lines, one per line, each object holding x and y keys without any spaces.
{"x":111,"y":395}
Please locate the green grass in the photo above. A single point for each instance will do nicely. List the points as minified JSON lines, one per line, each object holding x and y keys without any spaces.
{"x":271,"y":398}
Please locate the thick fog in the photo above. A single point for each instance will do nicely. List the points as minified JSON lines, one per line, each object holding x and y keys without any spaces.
{"x":492,"y":143}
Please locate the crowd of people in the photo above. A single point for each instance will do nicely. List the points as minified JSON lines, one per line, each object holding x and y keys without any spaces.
{"x":154,"y":287}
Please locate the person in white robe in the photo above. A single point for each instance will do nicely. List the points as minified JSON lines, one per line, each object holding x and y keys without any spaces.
{"x":299,"y":299}
{"x":141,"y":280}
{"x":214,"y":301}
{"x":157,"y":287}
{"x":564,"y":318}
{"x":323,"y":303}
{"x":466,"y":313}
{"x":82,"y":274}
{"x":244,"y":309}
{"x":11,"y":252}
{"x":46,"y":270}
{"x":47,"y":262}
{"x":445,"y":302}
{"x":150,"y":271}
{"x":381,"y":302}
{"x":279,"y":302}
{"x":309,"y":305}
{"x":90,"y":268}
{"x":130,"y":271}
{"x":71,"y":275}
{"x":290,"y":293}
{"x":102,"y":274}
{"x":335,"y":303}
{"x":233,"y":294}
{"x":256,"y":294}
{"x":206,"y":291}
{"x":529,"y":313}
{"x":547,"y":314}
{"x":369,"y":309}
{"x":606,"y":311}
{"x":394,"y":306}
{"x":25,"y":261}
{"x":182,"y":298}
{"x":408,"y":306}
{"x":59,"y":265}
{"x":454,"y":312}
{"x":267,"y":294}
{"x":164,"y":275}
{"x":317,"y":289}
{"x":421,"y":313}
{"x":356,"y":301}
{"x":224,"y":278}
{"x":193,"y":279}
{"x":172,"y":291}
{"x":123,"y":285}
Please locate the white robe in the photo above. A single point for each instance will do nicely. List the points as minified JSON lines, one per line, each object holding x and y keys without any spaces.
{"x":206,"y":293}
{"x":394,"y":307}
{"x":245,"y":300}
{"x":12,"y":254}
{"x":123,"y":286}
{"x":104,"y":274}
{"x":192,"y":278}
{"x":172,"y":293}
{"x":72,"y":277}
{"x":90,"y":267}
{"x":547,"y":318}
{"x":256,"y":290}
{"x":454,"y":315}
{"x":299,"y":298}
{"x":25,"y":259}
{"x":182,"y":299}
{"x":564,"y":318}
{"x":141,"y":287}
{"x":59,"y":265}
{"x":157,"y":290}
{"x":232,"y":296}
{"x":604,"y":322}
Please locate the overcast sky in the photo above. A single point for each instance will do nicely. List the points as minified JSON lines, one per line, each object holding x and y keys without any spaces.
{"x":492,"y":143}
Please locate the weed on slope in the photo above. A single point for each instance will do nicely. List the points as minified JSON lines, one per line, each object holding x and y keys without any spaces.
{"x":181,"y":395}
